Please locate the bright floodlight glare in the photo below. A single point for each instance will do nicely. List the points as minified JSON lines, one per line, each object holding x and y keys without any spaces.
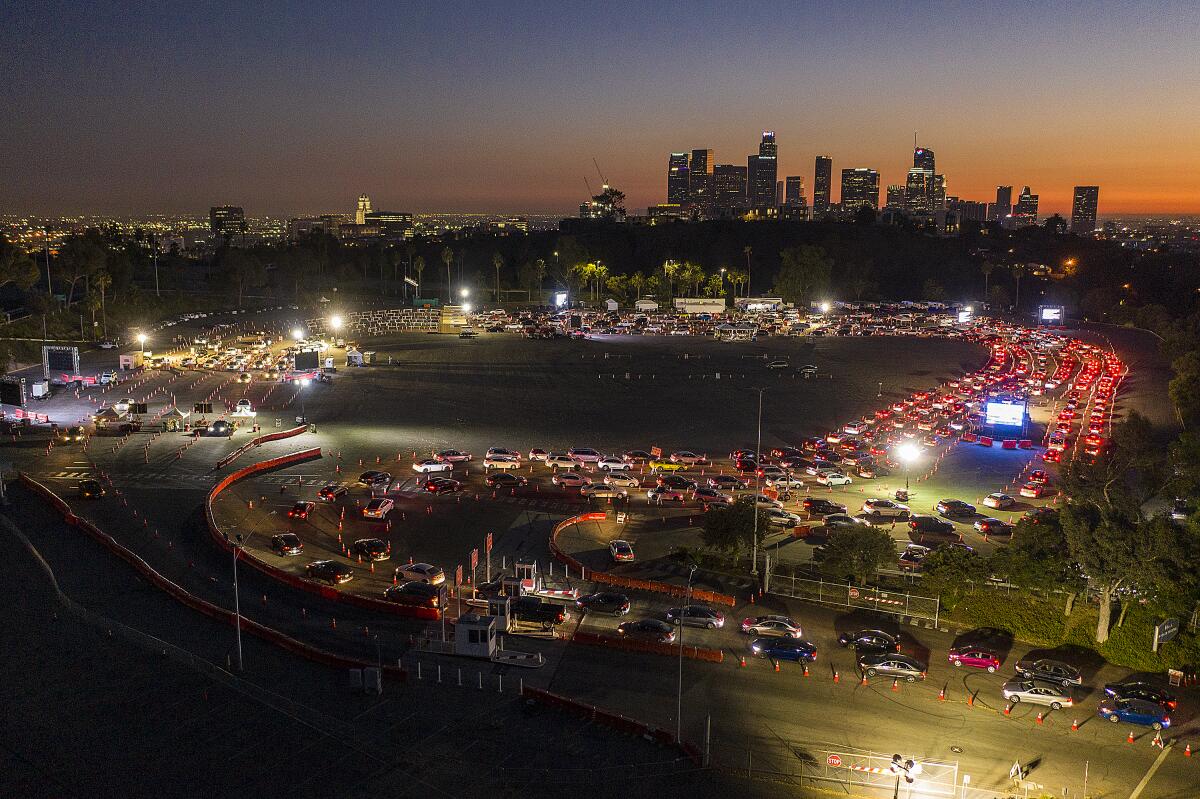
{"x":970,"y":309}
{"x":908,"y":452}
{"x":465,"y":293}
{"x":304,"y":381}
{"x":141,"y":338}
{"x":466,"y":307}
{"x":335,"y":322}
{"x":297,"y":333}
{"x":825,"y":307}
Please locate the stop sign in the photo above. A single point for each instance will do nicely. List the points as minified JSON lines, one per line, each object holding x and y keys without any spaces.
{"x":834,"y":760}
{"x":854,"y":593}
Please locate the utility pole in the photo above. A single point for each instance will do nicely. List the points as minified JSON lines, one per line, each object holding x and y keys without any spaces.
{"x":679,"y":685}
{"x":154,"y":253}
{"x":757,"y":482}
{"x":46,"y":241}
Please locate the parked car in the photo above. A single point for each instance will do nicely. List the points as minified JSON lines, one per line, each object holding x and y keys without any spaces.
{"x":711,"y":496}
{"x":417,"y":594}
{"x":688,"y":458}
{"x":621,"y":479}
{"x":302,"y":510}
{"x":974,"y":656}
{"x":793,"y":649}
{"x":1135,"y":711}
{"x":913,"y":557}
{"x":647,"y":630}
{"x":660,"y":494}
{"x":1135,"y":689}
{"x":611,"y":463}
{"x":777,"y":517}
{"x":558,"y":460}
{"x":1037,"y":692}
{"x":441,"y":485}
{"x":604,"y":602}
{"x":371,"y":549}
{"x":374,"y":479}
{"x":420,"y":572}
{"x":893,"y":664}
{"x":999,"y":501}
{"x":818,"y":506}
{"x":778,"y":626}
{"x":885,"y":507}
{"x":1050,"y":671}
{"x":570,"y":480}
{"x":533,"y":610}
{"x":501,"y":463}
{"x":328,"y":571}
{"x":952,"y":508}
{"x":930,"y":525}
{"x":726,"y":481}
{"x":990,"y":526}
{"x":870,"y":641}
{"x":505,"y":480}
{"x":378,"y":508}
{"x":452,"y":456}
{"x":285,"y":544}
{"x":331,"y":491}
{"x":696,"y":616}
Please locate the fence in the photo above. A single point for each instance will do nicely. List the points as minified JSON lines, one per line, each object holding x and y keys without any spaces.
{"x":855,"y":596}
{"x":385,"y":320}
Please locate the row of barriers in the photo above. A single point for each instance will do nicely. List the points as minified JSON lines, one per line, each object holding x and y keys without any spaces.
{"x":192,"y":601}
{"x":619,"y":581}
{"x":295,"y":581}
{"x":258,"y":442}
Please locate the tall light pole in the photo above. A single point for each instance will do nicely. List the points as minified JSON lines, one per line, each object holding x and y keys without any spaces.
{"x":154,"y":253}
{"x":757,"y":482}
{"x":908,"y":454}
{"x":679,"y":685}
{"x":237,"y":608}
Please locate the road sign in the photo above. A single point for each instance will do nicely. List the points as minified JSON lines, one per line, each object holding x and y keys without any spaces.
{"x":656,"y":452}
{"x":1164,"y":631}
{"x":834,"y":760}
{"x":458,"y":575}
{"x":474,"y":558}
{"x":489,"y":542}
{"x":854,"y":593}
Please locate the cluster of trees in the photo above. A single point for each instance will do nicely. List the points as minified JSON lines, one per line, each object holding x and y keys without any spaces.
{"x":1104,"y":538}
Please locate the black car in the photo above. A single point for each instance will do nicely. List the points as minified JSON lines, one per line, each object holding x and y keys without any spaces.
{"x":931,"y":525}
{"x":676,"y":482}
{"x":442,"y":485}
{"x":417,"y":593}
{"x":1141,"y":690}
{"x":952,"y":508}
{"x":818,"y":506}
{"x":328,"y":571}
{"x":374,"y":478}
{"x":91,"y":489}
{"x":371,"y":549}
{"x":604,"y":602}
{"x":331,"y":491}
{"x":505,"y":480}
{"x":870,"y":641}
{"x":726,"y":481}
{"x":636,"y":456}
{"x":1050,"y":671}
{"x":287,"y":544}
{"x":647,"y":630}
{"x":302,"y":509}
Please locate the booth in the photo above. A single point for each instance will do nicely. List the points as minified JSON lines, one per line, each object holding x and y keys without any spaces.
{"x":175,"y":420}
{"x":354,"y":358}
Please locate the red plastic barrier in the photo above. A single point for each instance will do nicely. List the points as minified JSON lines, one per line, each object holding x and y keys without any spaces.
{"x":196,"y":603}
{"x":296,"y":581}
{"x":1025,"y":444}
{"x":258,"y":442}
{"x":1009,"y":443}
{"x":969,"y":438}
{"x":985,"y":441}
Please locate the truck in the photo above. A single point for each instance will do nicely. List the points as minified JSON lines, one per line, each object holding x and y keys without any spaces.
{"x":532,"y":610}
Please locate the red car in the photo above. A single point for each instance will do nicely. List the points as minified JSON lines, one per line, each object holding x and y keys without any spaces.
{"x":974,"y":656}
{"x":301,"y":510}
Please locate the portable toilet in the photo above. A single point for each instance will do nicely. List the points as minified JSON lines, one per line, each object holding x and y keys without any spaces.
{"x":475,"y":636}
{"x":354,"y":358}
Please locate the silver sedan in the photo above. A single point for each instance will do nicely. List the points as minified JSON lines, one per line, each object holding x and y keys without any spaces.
{"x":1037,"y":692}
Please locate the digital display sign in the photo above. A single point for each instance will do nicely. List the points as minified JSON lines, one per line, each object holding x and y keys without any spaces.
{"x":1051,"y":314}
{"x":306,"y":360}
{"x":1005,"y":414}
{"x":964,"y":317}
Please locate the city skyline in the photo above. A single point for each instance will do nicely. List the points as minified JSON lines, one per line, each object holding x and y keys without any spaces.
{"x":280,"y":118}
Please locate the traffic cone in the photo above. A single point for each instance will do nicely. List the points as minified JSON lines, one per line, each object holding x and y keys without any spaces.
{"x":1129,"y":740}
{"x":1039,"y":718}
{"x":837,"y":677}
{"x":333,"y":624}
{"x":742,"y":661}
{"x":895,"y":685}
{"x":1157,"y":740}
{"x":806,"y":670}
{"x":1187,"y":750}
{"x":864,"y":679}
{"x":777,"y":665}
{"x":971,"y":700}
{"x":1008,"y":709}
{"x":372,"y":567}
{"x":942,"y":695}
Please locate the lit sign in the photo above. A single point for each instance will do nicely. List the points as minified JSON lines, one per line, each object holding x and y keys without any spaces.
{"x":1051,"y":314}
{"x":965,"y":316}
{"x":560,"y":299}
{"x":1005,"y":414}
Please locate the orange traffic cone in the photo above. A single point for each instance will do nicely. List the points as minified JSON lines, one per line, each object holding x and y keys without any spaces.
{"x":777,"y":665}
{"x":1129,"y":740}
{"x":1074,"y":725}
{"x":837,"y":677}
{"x":742,"y":661}
{"x":864,"y":679}
{"x":895,"y":685}
{"x":1187,"y":750}
{"x":1008,"y":709}
{"x":942,"y":695}
{"x":806,"y":670}
{"x":1039,"y":718}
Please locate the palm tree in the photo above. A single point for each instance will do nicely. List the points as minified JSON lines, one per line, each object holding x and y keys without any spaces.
{"x":497,"y":261}
{"x":1017,"y":270}
{"x":987,"y":267}
{"x":747,"y":250}
{"x":669,"y":270}
{"x":447,"y":259}
{"x":638,"y":281}
{"x":599,"y":276}
{"x":419,"y":267}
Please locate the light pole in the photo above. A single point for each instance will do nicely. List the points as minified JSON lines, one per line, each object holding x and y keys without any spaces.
{"x":142,"y":342}
{"x":908,"y":454}
{"x":679,"y":685}
{"x":757,"y":483}
{"x":237,"y":608}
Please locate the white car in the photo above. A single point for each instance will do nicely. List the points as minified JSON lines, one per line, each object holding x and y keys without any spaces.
{"x":429,"y":465}
{"x":782,"y":518}
{"x":855,"y":428}
{"x":507,"y":453}
{"x":785,"y":481}
{"x":421,"y":572}
{"x":584,"y":455}
{"x":621,"y":479}
{"x":688,"y":458}
{"x":557,"y":460}
{"x":833,"y":479}
{"x":764,"y":501}
{"x":609,"y":464}
{"x":378,"y":508}
{"x":570,"y":479}
{"x":999,"y":501}
{"x":601,"y":490}
{"x":885,"y":507}
{"x":500,"y":462}
{"x":243,"y":407}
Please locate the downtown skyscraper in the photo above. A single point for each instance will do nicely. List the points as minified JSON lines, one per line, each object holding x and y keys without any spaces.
{"x":860,"y":189}
{"x":761,"y":173}
{"x":822,"y":184}
{"x":678,"y":178}
{"x":1083,"y":210}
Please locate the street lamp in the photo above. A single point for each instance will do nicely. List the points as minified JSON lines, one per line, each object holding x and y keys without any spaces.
{"x":679,"y":685}
{"x":825,"y":307}
{"x":757,"y":484}
{"x":466,"y":306}
{"x":908,"y":454}
{"x":297,"y":333}
{"x":335,"y":322}
{"x":237,"y":608}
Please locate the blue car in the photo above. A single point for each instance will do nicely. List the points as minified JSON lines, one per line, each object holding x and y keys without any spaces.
{"x":1135,"y":711}
{"x":784,"y":649}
